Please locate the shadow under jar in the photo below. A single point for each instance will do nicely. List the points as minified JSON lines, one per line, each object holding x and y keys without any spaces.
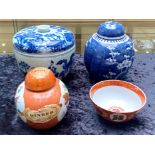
{"x":47,"y":46}
{"x":109,"y":53}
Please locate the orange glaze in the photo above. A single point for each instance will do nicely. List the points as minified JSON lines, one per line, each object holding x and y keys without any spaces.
{"x":42,"y":97}
{"x":46,"y":125}
{"x":36,"y":100}
{"x":119,"y":83}
{"x":107,"y":113}
{"x":39,"y":79}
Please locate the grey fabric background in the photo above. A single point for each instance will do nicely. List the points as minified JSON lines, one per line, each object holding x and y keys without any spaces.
{"x":81,"y":118}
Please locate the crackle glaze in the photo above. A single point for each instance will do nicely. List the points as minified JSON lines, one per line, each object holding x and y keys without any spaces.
{"x":45,"y":46}
{"x":109,"y":53}
{"x":42,"y":109}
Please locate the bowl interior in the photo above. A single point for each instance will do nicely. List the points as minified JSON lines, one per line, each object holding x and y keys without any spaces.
{"x":118,"y":96}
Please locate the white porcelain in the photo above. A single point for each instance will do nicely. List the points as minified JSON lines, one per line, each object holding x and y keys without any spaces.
{"x":117,"y":100}
{"x":27,"y":61}
{"x":47,"y":46}
{"x":116,"y":96}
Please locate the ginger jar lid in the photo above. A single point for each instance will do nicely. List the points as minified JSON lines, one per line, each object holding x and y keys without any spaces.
{"x":43,"y":39}
{"x":111,"y":29}
{"x":40,"y":79}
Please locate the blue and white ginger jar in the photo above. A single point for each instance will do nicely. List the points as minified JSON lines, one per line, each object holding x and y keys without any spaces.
{"x":45,"y":46}
{"x":109,"y":53}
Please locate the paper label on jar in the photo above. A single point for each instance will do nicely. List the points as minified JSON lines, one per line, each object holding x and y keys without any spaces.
{"x":43,"y":114}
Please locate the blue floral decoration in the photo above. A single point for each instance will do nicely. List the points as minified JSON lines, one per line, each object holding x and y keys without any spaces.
{"x":109,"y":53}
{"x":53,"y":68}
{"x":65,"y":65}
{"x":31,"y":40}
{"x":24,"y":66}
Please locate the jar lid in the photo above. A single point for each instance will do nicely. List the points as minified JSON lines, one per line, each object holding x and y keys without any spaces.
{"x":111,"y":29}
{"x":40,"y":79}
{"x":43,"y":39}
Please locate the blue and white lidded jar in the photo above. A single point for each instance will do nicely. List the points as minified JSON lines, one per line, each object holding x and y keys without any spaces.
{"x":109,"y":53}
{"x":47,"y":46}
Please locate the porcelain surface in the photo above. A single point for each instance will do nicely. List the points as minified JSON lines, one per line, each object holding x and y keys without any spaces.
{"x":117,"y":100}
{"x":60,"y":64}
{"x":109,"y":53}
{"x":43,"y":39}
{"x":116,"y":96}
{"x":47,"y":46}
{"x":43,"y":109}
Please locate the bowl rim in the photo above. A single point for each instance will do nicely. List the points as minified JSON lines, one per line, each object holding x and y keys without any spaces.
{"x":121,"y":81}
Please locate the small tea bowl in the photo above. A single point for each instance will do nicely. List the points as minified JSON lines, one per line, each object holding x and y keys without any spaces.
{"x":117,"y":100}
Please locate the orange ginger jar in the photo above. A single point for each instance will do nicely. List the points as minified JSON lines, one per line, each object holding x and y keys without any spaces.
{"x":42,"y":99}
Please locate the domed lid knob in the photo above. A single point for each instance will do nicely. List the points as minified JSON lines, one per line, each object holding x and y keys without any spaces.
{"x":40,"y":79}
{"x":111,"y":29}
{"x":43,"y":28}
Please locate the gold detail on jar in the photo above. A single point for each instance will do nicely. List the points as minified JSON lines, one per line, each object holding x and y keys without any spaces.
{"x":43,"y":114}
